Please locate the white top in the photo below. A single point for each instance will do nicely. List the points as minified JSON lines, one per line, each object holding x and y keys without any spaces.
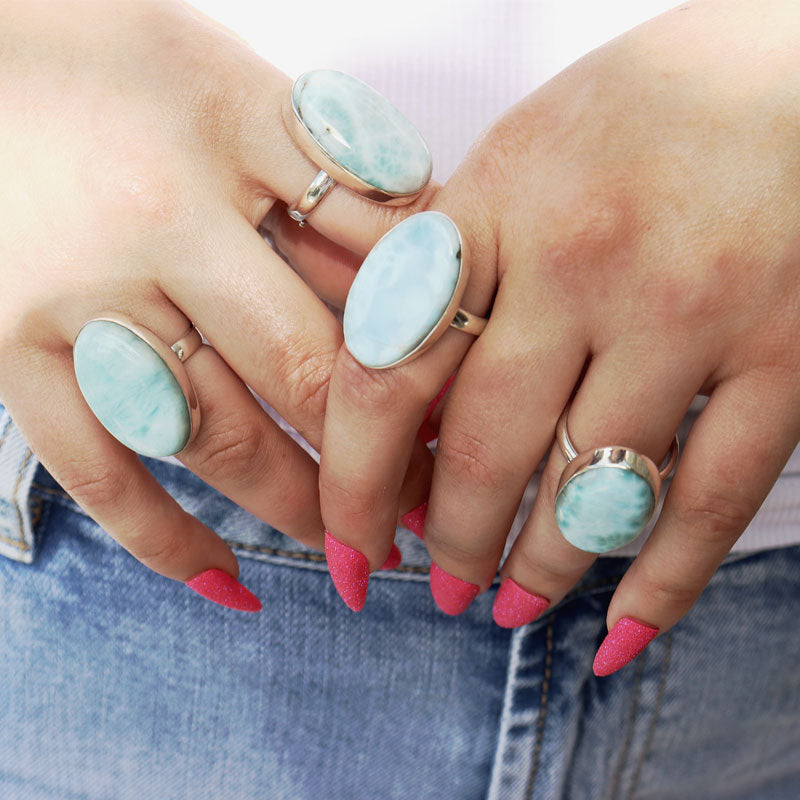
{"x":452,"y":66}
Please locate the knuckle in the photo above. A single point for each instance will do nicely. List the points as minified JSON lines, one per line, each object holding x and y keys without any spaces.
{"x":156,"y":551}
{"x":713,"y":516}
{"x":93,"y":485}
{"x":372,"y":391}
{"x":465,"y":457}
{"x":307,"y":377}
{"x":359,"y":504}
{"x":235,"y":450}
{"x":670,"y":591}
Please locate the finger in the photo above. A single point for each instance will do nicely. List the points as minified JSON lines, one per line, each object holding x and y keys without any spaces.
{"x":370,"y":428}
{"x":542,"y":564}
{"x":497,"y":426}
{"x":734,"y":454}
{"x":114,"y":488}
{"x":284,"y":340}
{"x":326,"y":267}
{"x":243,"y":453}
{"x":283,"y":346}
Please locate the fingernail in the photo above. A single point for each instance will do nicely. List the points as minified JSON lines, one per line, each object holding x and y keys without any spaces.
{"x":349,"y":571}
{"x":415,"y":519}
{"x":219,"y":587}
{"x":427,"y":433}
{"x":624,"y":642}
{"x":451,"y":594}
{"x":514,"y":606}
{"x":394,"y":558}
{"x":436,"y":400}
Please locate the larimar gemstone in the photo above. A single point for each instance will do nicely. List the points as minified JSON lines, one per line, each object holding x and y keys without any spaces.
{"x":602,"y":508}
{"x":131,"y":390}
{"x":402,"y":289}
{"x":361,"y":131}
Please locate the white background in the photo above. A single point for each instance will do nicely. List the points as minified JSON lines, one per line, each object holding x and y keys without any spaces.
{"x":451,"y":65}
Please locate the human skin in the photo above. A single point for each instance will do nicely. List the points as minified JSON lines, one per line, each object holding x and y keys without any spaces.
{"x":635,"y":226}
{"x":141,"y":146}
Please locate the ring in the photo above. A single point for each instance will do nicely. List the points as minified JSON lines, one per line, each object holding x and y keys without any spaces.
{"x":357,"y":138}
{"x":607,"y":495}
{"x":136,"y":385}
{"x":407,"y":292}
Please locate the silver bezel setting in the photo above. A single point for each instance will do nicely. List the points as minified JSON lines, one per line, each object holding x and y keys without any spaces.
{"x":319,"y":156}
{"x":187,"y":344}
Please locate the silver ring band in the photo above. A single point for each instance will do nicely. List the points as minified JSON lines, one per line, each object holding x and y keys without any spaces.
{"x":311,"y":197}
{"x":469,"y":323}
{"x":570,"y":453}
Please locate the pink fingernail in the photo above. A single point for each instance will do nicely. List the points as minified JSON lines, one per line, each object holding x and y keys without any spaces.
{"x":394,"y":558}
{"x":426,"y":431}
{"x":624,"y":642}
{"x":514,"y":606}
{"x":349,"y":571}
{"x":219,"y":587}
{"x":451,"y":594}
{"x":415,"y":519}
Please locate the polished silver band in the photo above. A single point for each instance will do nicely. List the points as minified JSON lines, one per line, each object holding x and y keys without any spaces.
{"x":570,"y":453}
{"x":469,"y":323}
{"x":188,"y":344}
{"x":311,"y":197}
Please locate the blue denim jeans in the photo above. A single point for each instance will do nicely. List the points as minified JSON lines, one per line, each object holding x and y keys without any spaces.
{"x":118,"y":684}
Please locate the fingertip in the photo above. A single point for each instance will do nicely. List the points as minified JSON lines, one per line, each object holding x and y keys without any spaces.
{"x":221,"y":588}
{"x":626,"y":640}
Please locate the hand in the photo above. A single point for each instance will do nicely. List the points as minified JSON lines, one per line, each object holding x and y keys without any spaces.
{"x":638,"y":217}
{"x":141,"y":146}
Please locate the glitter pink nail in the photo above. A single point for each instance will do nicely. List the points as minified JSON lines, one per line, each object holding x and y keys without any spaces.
{"x":451,"y":594}
{"x":393,"y":559}
{"x":513,"y":606}
{"x":624,"y":642}
{"x":349,"y":571}
{"x":427,"y":433}
{"x":415,"y":519}
{"x":219,"y":587}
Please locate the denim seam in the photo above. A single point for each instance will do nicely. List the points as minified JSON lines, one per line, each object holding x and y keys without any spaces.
{"x":626,"y":746}
{"x":313,"y":557}
{"x":18,"y":542}
{"x":543,"y":700}
{"x":5,"y":432}
{"x":648,"y":742}
{"x":319,"y":557}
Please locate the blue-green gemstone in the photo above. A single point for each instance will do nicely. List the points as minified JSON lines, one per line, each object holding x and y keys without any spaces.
{"x":361,"y":131}
{"x":602,"y":508}
{"x":402,"y":289}
{"x":131,"y":390}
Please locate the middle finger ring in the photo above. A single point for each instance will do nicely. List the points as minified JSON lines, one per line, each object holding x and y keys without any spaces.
{"x":606,"y":495}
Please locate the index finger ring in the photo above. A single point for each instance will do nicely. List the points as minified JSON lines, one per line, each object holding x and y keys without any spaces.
{"x":357,"y":138}
{"x":137,"y":385}
{"x":606,"y":495}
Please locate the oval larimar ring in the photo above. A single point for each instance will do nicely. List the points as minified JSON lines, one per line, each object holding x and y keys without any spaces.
{"x":407,"y":292}
{"x":607,"y":495}
{"x":137,"y":385}
{"x":357,"y":138}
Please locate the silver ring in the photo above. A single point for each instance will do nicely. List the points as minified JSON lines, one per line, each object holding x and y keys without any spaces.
{"x":137,"y":385}
{"x":408,"y":292}
{"x":607,"y":495}
{"x":355,"y":137}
